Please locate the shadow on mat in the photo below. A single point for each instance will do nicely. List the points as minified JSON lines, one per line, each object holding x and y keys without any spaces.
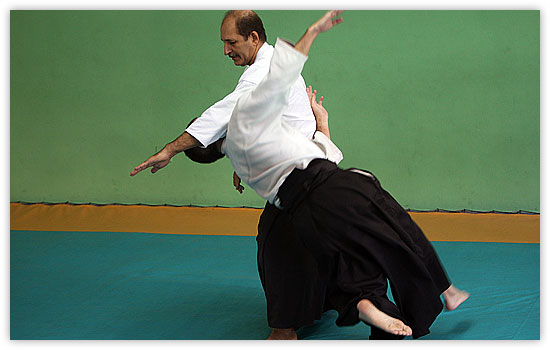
{"x":453,"y":333}
{"x":325,"y":328}
{"x":234,"y":313}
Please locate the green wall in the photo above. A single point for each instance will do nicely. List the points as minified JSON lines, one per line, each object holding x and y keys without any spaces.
{"x":442,"y":105}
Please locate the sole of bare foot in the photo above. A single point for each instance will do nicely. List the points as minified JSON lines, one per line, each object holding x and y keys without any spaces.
{"x":454,"y":297}
{"x":371,"y":315}
{"x":283,"y":334}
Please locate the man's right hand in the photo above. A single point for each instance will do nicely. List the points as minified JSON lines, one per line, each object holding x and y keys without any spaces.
{"x":162,"y":158}
{"x":157,"y":162}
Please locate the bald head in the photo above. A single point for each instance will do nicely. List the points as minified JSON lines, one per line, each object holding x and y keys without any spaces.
{"x":247,"y":21}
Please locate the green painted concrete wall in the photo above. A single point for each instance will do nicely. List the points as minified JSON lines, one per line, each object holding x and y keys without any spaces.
{"x":443,"y":106}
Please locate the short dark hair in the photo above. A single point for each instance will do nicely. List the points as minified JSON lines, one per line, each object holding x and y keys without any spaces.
{"x":247,"y":22}
{"x":206,"y":155}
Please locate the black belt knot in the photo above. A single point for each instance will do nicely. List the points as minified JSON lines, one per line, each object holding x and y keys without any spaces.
{"x":300,"y":182}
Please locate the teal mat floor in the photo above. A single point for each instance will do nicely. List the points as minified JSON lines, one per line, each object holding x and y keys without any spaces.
{"x":80,"y":285}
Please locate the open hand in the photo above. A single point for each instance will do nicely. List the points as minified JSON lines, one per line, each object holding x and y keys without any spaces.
{"x":328,"y":21}
{"x":157,"y":162}
{"x":320,"y":113}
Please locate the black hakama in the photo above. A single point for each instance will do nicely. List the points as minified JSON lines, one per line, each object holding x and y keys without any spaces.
{"x":350,"y":224}
{"x":298,"y":289}
{"x":293,"y":287}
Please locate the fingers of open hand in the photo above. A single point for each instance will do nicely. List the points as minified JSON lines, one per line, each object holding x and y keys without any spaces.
{"x":314,"y":97}
{"x":336,"y":13}
{"x":139,"y":168}
{"x":310,"y":94}
{"x":156,"y":161}
{"x":330,"y":15}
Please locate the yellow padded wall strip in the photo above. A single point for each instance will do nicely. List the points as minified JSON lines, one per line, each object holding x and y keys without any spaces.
{"x":512,"y":228}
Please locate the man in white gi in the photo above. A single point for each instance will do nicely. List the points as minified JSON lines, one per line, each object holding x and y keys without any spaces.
{"x":251,"y":50}
{"x":282,"y":258}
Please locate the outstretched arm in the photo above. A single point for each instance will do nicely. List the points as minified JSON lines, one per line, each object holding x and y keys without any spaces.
{"x":218,"y":115}
{"x":320,"y":113}
{"x":162,"y":158}
{"x":324,"y":24}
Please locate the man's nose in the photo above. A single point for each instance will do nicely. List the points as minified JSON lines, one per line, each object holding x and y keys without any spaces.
{"x":226,"y":49}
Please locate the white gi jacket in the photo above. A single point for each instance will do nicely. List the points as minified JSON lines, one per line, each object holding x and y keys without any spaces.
{"x":262,"y":147}
{"x":212,"y":124}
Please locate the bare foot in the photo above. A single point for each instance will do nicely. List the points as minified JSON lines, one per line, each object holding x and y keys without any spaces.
{"x":454,"y":297}
{"x":371,"y":315}
{"x":283,"y":334}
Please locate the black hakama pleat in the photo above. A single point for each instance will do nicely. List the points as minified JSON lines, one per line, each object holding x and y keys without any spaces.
{"x":293,"y":286}
{"x":349,"y":223}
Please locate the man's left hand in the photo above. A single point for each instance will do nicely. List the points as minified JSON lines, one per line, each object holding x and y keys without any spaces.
{"x":237,"y":183}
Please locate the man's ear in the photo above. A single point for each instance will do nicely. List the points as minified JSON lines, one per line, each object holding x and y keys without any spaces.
{"x":255,"y":37}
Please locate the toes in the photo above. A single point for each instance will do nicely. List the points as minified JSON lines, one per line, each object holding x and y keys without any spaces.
{"x":401,"y":329}
{"x":405,"y":330}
